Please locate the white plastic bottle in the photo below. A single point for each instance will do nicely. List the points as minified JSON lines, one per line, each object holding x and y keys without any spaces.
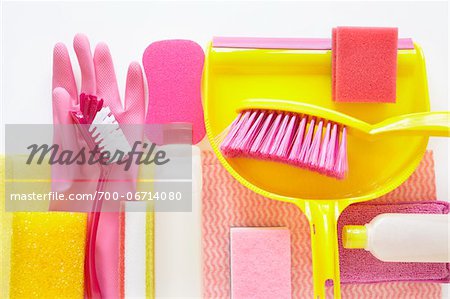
{"x":178,"y":237}
{"x":402,"y":237}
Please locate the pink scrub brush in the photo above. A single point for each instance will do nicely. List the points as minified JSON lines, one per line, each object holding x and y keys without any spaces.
{"x":100,"y":129}
{"x":296,"y":139}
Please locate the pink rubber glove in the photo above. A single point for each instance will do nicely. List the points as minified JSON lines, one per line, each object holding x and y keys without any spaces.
{"x":98,"y":78}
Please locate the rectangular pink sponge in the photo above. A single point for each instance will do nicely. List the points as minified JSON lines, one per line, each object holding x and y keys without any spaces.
{"x":260,"y":263}
{"x":364,"y":64}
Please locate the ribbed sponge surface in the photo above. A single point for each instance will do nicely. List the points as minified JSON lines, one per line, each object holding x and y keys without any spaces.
{"x":47,"y":255}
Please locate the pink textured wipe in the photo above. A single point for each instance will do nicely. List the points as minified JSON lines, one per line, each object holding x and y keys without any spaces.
{"x":364,"y":64}
{"x":226,"y":203}
{"x":174,"y":74}
{"x":260,"y":263}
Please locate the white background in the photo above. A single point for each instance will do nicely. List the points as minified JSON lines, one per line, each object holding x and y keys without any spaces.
{"x":30,"y":29}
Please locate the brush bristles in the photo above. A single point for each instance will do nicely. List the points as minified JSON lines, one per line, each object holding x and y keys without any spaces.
{"x":106,"y":132}
{"x":300,"y":140}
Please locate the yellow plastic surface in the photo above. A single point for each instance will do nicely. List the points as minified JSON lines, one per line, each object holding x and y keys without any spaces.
{"x":146,"y":172}
{"x":354,"y":236}
{"x":376,"y":166}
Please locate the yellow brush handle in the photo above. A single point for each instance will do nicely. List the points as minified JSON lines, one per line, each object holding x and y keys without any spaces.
{"x":426,"y":123}
{"x":322,"y":216}
{"x":418,"y":124}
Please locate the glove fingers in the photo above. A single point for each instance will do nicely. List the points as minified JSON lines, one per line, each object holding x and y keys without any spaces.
{"x":62,"y":105}
{"x":134,"y":96}
{"x":64,"y":131}
{"x":106,"y":77}
{"x":63,"y":73}
{"x":84,"y":55}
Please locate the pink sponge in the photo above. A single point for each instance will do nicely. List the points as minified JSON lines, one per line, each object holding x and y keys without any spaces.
{"x":174,"y":73}
{"x":260,"y":263}
{"x":364,"y":64}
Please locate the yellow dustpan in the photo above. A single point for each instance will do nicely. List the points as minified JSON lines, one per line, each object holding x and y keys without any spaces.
{"x":234,"y":75}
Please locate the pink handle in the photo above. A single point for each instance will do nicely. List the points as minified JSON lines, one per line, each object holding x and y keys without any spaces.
{"x":287,"y":43}
{"x":92,"y":286}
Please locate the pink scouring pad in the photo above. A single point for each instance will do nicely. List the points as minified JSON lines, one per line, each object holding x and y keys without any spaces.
{"x":174,"y":73}
{"x":260,"y":263}
{"x":364,"y":64}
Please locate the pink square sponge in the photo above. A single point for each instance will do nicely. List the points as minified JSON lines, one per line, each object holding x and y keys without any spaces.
{"x":364,"y":64}
{"x":260,"y":263}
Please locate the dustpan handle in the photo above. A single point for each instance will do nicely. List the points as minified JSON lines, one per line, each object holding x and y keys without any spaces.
{"x":322,"y":216}
{"x":425,"y":123}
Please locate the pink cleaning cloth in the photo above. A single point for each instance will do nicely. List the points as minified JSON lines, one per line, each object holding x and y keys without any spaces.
{"x":260,"y":259}
{"x":368,"y":268}
{"x":226,"y":204}
{"x":364,"y":64}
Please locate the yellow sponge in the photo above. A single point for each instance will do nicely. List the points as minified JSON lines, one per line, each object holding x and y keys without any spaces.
{"x":5,"y":233}
{"x":47,"y":255}
{"x":42,"y":253}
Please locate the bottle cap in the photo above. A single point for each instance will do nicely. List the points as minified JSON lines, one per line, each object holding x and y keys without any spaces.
{"x":177,"y":133}
{"x":170,"y":133}
{"x":354,"y":236}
